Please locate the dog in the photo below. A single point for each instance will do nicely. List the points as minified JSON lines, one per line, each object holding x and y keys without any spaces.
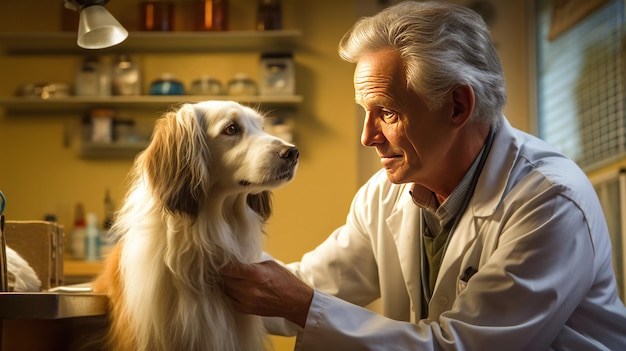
{"x":199,"y":197}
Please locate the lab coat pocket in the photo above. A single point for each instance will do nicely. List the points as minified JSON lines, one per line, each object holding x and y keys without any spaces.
{"x":460,"y":286}
{"x":464,"y":279}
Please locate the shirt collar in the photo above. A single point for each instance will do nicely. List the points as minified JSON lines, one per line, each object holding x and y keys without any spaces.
{"x":438,"y":216}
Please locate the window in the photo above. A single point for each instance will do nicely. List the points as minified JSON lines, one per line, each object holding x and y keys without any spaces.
{"x":611,"y":190}
{"x":580,"y":85}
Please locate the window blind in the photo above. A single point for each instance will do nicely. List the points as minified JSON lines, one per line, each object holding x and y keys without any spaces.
{"x":580,"y":85}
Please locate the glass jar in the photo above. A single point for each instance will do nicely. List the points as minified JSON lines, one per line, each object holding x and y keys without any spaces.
{"x":167,"y":85}
{"x":277,"y":75}
{"x":93,"y":78}
{"x":157,"y":15}
{"x":206,"y":86}
{"x":126,"y":76}
{"x":242,"y":85}
{"x":211,"y":15}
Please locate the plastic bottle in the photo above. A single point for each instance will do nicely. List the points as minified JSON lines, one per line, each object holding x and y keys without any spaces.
{"x":77,"y":237}
{"x":92,"y":238}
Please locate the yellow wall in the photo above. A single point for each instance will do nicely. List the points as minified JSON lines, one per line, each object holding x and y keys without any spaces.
{"x":39,"y":174}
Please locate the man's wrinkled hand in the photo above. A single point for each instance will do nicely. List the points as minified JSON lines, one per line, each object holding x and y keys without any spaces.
{"x":267,"y":289}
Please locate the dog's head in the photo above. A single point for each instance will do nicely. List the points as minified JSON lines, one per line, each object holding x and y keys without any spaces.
{"x":213,"y":149}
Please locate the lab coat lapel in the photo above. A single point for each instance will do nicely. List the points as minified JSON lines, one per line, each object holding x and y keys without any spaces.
{"x":404,"y":224}
{"x":487,"y":195}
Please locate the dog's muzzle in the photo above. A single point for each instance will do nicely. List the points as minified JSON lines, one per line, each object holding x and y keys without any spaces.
{"x":290,"y":154}
{"x":283,"y":170}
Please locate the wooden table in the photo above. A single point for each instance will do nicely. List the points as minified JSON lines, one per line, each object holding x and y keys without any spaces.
{"x":46,"y":321}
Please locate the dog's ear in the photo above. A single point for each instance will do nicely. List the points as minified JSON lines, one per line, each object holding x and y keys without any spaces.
{"x":261,"y":203}
{"x":176,"y":161}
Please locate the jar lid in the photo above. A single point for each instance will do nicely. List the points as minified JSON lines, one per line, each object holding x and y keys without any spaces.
{"x":167,"y":76}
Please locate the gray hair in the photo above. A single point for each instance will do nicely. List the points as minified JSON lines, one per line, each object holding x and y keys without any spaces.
{"x":442,"y":45}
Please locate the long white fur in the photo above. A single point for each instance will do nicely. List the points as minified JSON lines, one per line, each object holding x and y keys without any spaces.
{"x":24,"y":276}
{"x":168,"y":296}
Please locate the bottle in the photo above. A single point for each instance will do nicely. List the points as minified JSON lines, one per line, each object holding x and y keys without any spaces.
{"x":87,"y":77}
{"x":105,"y":79}
{"x":92,"y":238}
{"x":269,"y":16}
{"x":101,"y":125}
{"x":157,"y":15}
{"x":93,"y":78}
{"x":77,"y":237}
{"x":211,"y":15}
{"x":126,"y":76}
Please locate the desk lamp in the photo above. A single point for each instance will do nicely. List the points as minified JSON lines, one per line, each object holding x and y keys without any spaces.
{"x":97,"y":28}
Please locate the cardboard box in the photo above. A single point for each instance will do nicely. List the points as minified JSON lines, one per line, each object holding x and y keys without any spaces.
{"x":40,"y":243}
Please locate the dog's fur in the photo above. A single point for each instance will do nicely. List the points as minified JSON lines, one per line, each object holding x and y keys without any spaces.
{"x":198,"y":199}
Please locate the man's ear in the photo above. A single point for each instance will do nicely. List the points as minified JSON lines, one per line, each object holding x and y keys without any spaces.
{"x":463,"y":100}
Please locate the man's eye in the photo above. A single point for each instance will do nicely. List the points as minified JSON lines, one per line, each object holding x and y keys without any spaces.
{"x":389,"y":116}
{"x":231,"y":129}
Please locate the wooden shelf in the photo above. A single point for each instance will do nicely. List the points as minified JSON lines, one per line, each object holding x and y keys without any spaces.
{"x":64,"y":43}
{"x":110,"y":150}
{"x":154,"y":42}
{"x":17,"y":105}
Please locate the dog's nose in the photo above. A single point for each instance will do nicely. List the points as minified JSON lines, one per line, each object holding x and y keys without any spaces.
{"x":290,"y":153}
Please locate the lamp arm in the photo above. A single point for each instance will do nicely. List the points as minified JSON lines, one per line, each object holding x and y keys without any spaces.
{"x":77,"y":5}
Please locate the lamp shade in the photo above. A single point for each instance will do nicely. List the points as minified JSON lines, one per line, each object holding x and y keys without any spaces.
{"x":98,"y":29}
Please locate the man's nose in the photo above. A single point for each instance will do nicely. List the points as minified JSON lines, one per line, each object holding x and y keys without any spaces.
{"x":371,"y":134}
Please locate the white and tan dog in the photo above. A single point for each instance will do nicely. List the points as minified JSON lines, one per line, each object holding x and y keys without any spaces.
{"x":199,"y":199}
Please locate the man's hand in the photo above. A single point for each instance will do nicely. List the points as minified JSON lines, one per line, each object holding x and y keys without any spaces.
{"x":267,"y":289}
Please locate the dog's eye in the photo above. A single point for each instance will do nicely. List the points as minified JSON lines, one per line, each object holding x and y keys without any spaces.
{"x":231,"y":129}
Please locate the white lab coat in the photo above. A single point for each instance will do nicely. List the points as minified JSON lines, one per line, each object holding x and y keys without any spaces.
{"x":535,"y":232}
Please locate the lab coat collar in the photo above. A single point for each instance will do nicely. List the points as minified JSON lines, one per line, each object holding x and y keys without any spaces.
{"x":491,"y":184}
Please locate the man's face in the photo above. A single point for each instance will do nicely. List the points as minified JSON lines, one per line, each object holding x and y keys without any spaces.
{"x":413,"y":141}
